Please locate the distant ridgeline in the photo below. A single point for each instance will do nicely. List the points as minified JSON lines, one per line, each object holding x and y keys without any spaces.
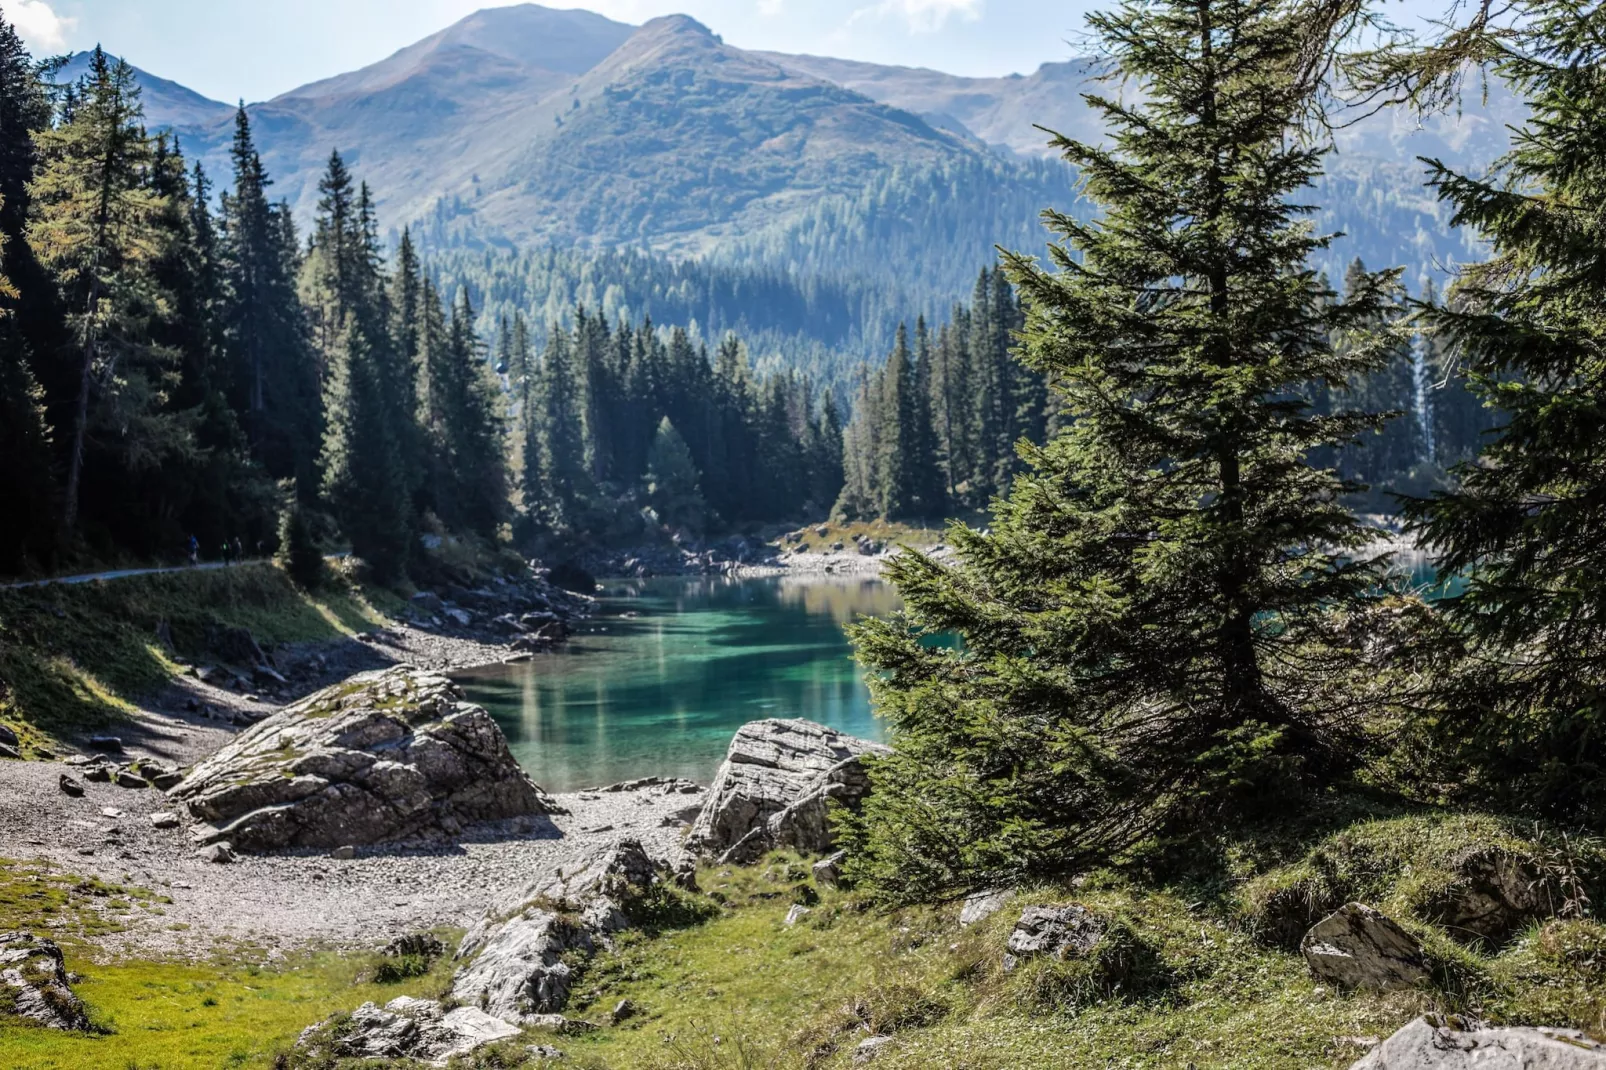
{"x":823,"y":293}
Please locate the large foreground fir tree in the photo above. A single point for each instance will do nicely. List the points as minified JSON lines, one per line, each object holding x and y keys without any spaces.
{"x":1525,"y":710}
{"x":1154,"y":630}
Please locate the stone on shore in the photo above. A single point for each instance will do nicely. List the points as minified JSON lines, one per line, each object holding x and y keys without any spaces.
{"x":1358,"y":947}
{"x":383,"y":756}
{"x":33,"y":983}
{"x":1435,"y":1043}
{"x":775,"y":788}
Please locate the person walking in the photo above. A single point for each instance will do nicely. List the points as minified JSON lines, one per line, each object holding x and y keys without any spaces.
{"x":195,"y":550}
{"x":239,"y":551}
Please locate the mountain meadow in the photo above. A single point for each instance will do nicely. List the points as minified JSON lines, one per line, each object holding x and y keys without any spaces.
{"x":581,"y":544}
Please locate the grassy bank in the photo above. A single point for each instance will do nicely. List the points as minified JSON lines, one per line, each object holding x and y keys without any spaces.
{"x":74,"y":657}
{"x":1194,"y":970}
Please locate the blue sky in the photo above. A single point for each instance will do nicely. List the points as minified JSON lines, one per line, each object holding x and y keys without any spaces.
{"x":255,"y":49}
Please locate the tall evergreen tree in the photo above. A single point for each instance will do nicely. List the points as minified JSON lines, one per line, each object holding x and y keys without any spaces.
{"x":273,"y":379}
{"x":1524,"y":711}
{"x":672,"y":480}
{"x":95,"y":228}
{"x":1150,"y":629}
{"x":557,"y":483}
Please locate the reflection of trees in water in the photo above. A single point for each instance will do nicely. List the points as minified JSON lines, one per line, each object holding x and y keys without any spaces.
{"x":842,"y":599}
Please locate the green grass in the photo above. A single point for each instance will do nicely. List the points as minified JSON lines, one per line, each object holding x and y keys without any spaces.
{"x":75,"y":657}
{"x":1188,"y":974}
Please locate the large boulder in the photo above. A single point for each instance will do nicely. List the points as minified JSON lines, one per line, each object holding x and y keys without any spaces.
{"x":1495,"y":894}
{"x":1434,"y":1043}
{"x":1063,"y":932}
{"x":405,"y":1028}
{"x":521,"y":954}
{"x":775,"y":788}
{"x":383,"y":756}
{"x":1358,"y":947}
{"x":33,"y":983}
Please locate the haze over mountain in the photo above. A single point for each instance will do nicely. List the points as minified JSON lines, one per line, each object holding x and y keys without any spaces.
{"x":527,"y":125}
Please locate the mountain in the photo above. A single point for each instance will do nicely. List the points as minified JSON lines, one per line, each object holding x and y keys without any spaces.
{"x":527,"y":126}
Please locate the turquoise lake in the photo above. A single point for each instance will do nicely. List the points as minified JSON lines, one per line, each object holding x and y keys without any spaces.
{"x":662,"y":677}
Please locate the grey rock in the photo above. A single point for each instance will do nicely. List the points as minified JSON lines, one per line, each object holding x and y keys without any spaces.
{"x":461,"y":617}
{"x":543,"y":1051}
{"x":162,"y":776}
{"x":217,"y":853}
{"x":8,"y":751}
{"x":775,"y":787}
{"x":1358,"y":947}
{"x":1064,"y":932}
{"x":164,"y":820}
{"x":869,"y":1048}
{"x":1435,"y":1043}
{"x":127,"y":778}
{"x":828,"y":870}
{"x":406,"y":1028}
{"x":8,"y":738}
{"x":796,"y":914}
{"x":428,"y":602}
{"x":383,"y":756}
{"x":71,"y":787}
{"x":264,"y":676}
{"x":622,"y":1010}
{"x":109,"y":744}
{"x":521,"y":956}
{"x":344,"y":853}
{"x":99,"y":772}
{"x":236,"y":646}
{"x":1495,"y":894}
{"x":35,"y":971}
{"x":983,"y":905}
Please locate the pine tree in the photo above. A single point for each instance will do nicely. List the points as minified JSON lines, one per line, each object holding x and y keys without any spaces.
{"x":273,"y":381}
{"x":557,"y":483}
{"x":672,"y":480}
{"x":363,"y":480}
{"x":24,"y":442}
{"x":95,"y":228}
{"x":1150,"y":632}
{"x":1523,"y":711}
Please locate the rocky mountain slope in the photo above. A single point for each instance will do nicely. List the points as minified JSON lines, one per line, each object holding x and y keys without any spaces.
{"x":524,"y":126}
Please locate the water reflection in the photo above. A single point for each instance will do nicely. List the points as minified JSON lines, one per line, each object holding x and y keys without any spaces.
{"x":670,"y":669}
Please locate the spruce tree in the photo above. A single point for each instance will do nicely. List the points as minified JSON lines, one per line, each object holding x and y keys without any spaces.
{"x":1524,"y":712}
{"x":672,"y":480}
{"x":1152,"y":630}
{"x":557,"y":486}
{"x":273,"y":379}
{"x":94,"y":227}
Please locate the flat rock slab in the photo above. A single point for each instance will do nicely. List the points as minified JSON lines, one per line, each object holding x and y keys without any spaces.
{"x":775,"y":787}
{"x":1358,"y":947}
{"x":1434,"y":1043}
{"x":383,"y":756}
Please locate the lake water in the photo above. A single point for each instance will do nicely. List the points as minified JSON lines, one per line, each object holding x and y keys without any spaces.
{"x":658,"y":682}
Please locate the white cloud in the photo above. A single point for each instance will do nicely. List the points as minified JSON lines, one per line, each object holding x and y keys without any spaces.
{"x":38,"y":25}
{"x":769,"y":7}
{"x":923,"y":16}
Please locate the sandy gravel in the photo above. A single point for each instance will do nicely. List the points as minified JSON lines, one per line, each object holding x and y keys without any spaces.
{"x":292,"y":900}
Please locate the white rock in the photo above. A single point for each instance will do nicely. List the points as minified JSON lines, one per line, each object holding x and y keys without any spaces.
{"x":1432,"y":1043}
{"x":1358,"y":947}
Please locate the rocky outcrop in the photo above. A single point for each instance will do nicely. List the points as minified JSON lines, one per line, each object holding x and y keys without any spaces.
{"x":1495,"y":893}
{"x":1358,"y":947}
{"x":33,"y":983}
{"x":519,"y":957}
{"x":1434,"y":1043}
{"x":383,"y":756}
{"x":775,"y":788}
{"x":1063,"y":932}
{"x":405,"y":1028}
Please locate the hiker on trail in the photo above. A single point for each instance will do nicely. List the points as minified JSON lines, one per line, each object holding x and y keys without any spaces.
{"x":195,"y":550}
{"x":239,"y":551}
{"x":228,"y":557}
